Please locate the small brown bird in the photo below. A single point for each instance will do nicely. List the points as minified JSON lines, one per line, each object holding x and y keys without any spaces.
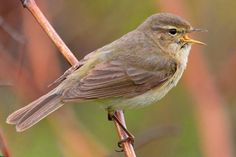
{"x":134,"y":71}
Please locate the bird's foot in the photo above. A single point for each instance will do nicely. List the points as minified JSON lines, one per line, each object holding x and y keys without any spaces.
{"x":121,"y":142}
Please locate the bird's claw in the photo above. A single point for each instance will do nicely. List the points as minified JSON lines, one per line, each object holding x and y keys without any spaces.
{"x":127,"y":139}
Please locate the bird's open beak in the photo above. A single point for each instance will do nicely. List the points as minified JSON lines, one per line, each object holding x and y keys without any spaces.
{"x":185,"y":38}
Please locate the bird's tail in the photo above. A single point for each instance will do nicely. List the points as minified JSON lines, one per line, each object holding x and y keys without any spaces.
{"x":29,"y":115}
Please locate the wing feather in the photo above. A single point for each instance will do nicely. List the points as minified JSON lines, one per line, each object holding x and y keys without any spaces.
{"x":114,"y":79}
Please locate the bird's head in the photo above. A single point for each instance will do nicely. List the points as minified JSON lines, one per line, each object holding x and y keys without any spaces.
{"x":169,"y":31}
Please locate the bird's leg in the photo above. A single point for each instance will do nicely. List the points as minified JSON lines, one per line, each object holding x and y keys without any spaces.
{"x":130,"y":137}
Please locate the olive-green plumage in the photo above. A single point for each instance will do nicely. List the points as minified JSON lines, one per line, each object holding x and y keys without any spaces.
{"x":136,"y":70}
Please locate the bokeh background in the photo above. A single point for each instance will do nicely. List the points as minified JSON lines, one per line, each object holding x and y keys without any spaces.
{"x":196,"y":119}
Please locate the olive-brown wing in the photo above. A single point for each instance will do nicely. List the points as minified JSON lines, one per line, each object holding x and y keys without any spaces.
{"x":114,"y":79}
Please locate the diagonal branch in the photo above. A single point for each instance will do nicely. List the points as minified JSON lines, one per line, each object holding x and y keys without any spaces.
{"x":43,"y":22}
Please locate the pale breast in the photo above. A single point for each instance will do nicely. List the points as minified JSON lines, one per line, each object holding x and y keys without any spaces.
{"x":155,"y":94}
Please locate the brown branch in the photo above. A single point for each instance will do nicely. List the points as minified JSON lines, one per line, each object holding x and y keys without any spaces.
{"x":127,"y":146}
{"x":3,"y":146}
{"x":43,"y":22}
{"x":152,"y":135}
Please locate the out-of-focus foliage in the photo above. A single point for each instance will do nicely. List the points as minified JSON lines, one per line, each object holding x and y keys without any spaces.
{"x":86,"y":25}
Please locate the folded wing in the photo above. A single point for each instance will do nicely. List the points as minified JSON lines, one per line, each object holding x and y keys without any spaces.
{"x":114,"y":79}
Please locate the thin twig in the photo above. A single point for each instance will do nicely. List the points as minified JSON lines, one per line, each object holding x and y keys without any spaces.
{"x":43,"y":22}
{"x":152,"y":135}
{"x":3,"y":146}
{"x":127,"y":146}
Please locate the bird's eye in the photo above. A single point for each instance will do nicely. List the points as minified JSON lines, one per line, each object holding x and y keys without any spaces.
{"x":173,"y":31}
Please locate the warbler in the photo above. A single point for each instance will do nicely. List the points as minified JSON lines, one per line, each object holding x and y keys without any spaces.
{"x":136,"y":70}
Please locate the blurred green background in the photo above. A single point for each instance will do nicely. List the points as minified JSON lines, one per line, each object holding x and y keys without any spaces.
{"x":178,"y":126}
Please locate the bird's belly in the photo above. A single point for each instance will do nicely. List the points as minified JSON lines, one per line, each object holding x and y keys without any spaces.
{"x":151,"y":96}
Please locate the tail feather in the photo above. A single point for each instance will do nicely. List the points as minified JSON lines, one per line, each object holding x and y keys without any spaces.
{"x":16,"y":116}
{"x":34,"y":112}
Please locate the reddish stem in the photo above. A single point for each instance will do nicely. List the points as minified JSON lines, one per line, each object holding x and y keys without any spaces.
{"x":47,"y":27}
{"x":3,"y":146}
{"x":127,"y":146}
